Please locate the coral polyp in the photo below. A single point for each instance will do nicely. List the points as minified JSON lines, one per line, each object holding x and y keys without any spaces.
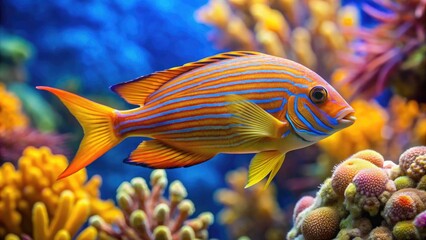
{"x":149,"y":215}
{"x":370,"y":182}
{"x":321,"y":224}
{"x":370,"y":207}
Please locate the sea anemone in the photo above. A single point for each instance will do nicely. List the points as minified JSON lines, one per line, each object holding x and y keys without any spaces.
{"x":392,"y":52}
{"x":148,"y":215}
{"x":30,"y":196}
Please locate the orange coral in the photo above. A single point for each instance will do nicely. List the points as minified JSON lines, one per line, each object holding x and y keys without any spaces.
{"x":321,"y":224}
{"x":404,"y":204}
{"x":371,"y":156}
{"x":346,"y":171}
{"x":11,"y":115}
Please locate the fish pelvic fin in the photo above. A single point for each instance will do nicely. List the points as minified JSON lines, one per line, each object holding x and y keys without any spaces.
{"x":156,"y":154}
{"x":97,"y":122}
{"x":262,"y":164}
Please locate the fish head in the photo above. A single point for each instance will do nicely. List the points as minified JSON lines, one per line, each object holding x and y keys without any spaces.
{"x":318,"y":111}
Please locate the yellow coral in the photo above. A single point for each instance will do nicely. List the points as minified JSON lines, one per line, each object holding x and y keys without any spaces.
{"x":32,"y":192}
{"x":250,"y":207}
{"x":276,"y":27}
{"x":11,"y":115}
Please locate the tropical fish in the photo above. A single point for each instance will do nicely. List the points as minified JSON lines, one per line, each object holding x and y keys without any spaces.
{"x":235,"y":102}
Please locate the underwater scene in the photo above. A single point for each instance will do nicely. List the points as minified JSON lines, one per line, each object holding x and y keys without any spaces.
{"x":213,"y":119}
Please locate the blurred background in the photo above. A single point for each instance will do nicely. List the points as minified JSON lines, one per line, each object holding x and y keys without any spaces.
{"x":86,"y":46}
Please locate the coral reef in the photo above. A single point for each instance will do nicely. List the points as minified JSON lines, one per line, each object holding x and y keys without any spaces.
{"x":252,"y":213}
{"x":309,"y":32}
{"x":34,"y":205}
{"x":149,"y":215}
{"x":392,"y":52}
{"x":363,"y":200}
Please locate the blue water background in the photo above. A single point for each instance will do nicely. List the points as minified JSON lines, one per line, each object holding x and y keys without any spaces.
{"x":100,"y":43}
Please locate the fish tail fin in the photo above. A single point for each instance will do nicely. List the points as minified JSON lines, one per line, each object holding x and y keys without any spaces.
{"x":97,"y":122}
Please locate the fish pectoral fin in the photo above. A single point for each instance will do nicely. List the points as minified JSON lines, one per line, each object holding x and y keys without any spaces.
{"x":137,"y":90}
{"x":156,"y":154}
{"x":254,"y":121}
{"x":262,"y":164}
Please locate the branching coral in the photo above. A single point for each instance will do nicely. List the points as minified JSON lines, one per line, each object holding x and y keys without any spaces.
{"x":392,"y":52}
{"x":307,"y":31}
{"x":370,"y":206}
{"x":253,"y":212}
{"x":149,"y":215}
{"x":33,"y":203}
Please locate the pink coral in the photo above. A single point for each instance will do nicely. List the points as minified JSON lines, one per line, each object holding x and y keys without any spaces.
{"x":301,"y":205}
{"x":371,"y":182}
{"x":413,"y":163}
{"x":404,"y":204}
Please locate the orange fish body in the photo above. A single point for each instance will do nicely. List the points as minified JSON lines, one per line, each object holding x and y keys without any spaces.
{"x":236,"y":102}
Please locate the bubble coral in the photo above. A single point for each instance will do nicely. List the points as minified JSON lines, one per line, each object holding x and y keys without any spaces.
{"x":371,"y":182}
{"x":31,"y":197}
{"x":250,"y":212}
{"x":148,"y":215}
{"x":321,"y":223}
{"x":392,"y":52}
{"x":404,"y":204}
{"x":405,"y":230}
{"x":413,"y":162}
{"x":346,"y":171}
{"x":301,"y":205}
{"x":371,"y":190}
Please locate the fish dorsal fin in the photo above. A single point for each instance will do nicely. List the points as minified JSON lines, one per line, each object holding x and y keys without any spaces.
{"x":137,"y":90}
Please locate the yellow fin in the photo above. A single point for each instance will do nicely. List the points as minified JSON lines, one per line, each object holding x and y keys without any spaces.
{"x":156,"y":154}
{"x":97,"y":122}
{"x":137,"y":90}
{"x":255,"y":122}
{"x":262,"y":164}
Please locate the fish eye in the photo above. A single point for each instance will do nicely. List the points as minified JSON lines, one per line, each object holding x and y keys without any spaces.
{"x":318,"y":94}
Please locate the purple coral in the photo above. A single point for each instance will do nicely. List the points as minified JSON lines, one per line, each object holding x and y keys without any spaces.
{"x":404,"y":205}
{"x":420,"y":220}
{"x":384,"y":50}
{"x":413,"y":163}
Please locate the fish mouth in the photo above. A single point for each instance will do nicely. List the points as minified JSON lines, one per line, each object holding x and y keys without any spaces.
{"x":346,"y":118}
